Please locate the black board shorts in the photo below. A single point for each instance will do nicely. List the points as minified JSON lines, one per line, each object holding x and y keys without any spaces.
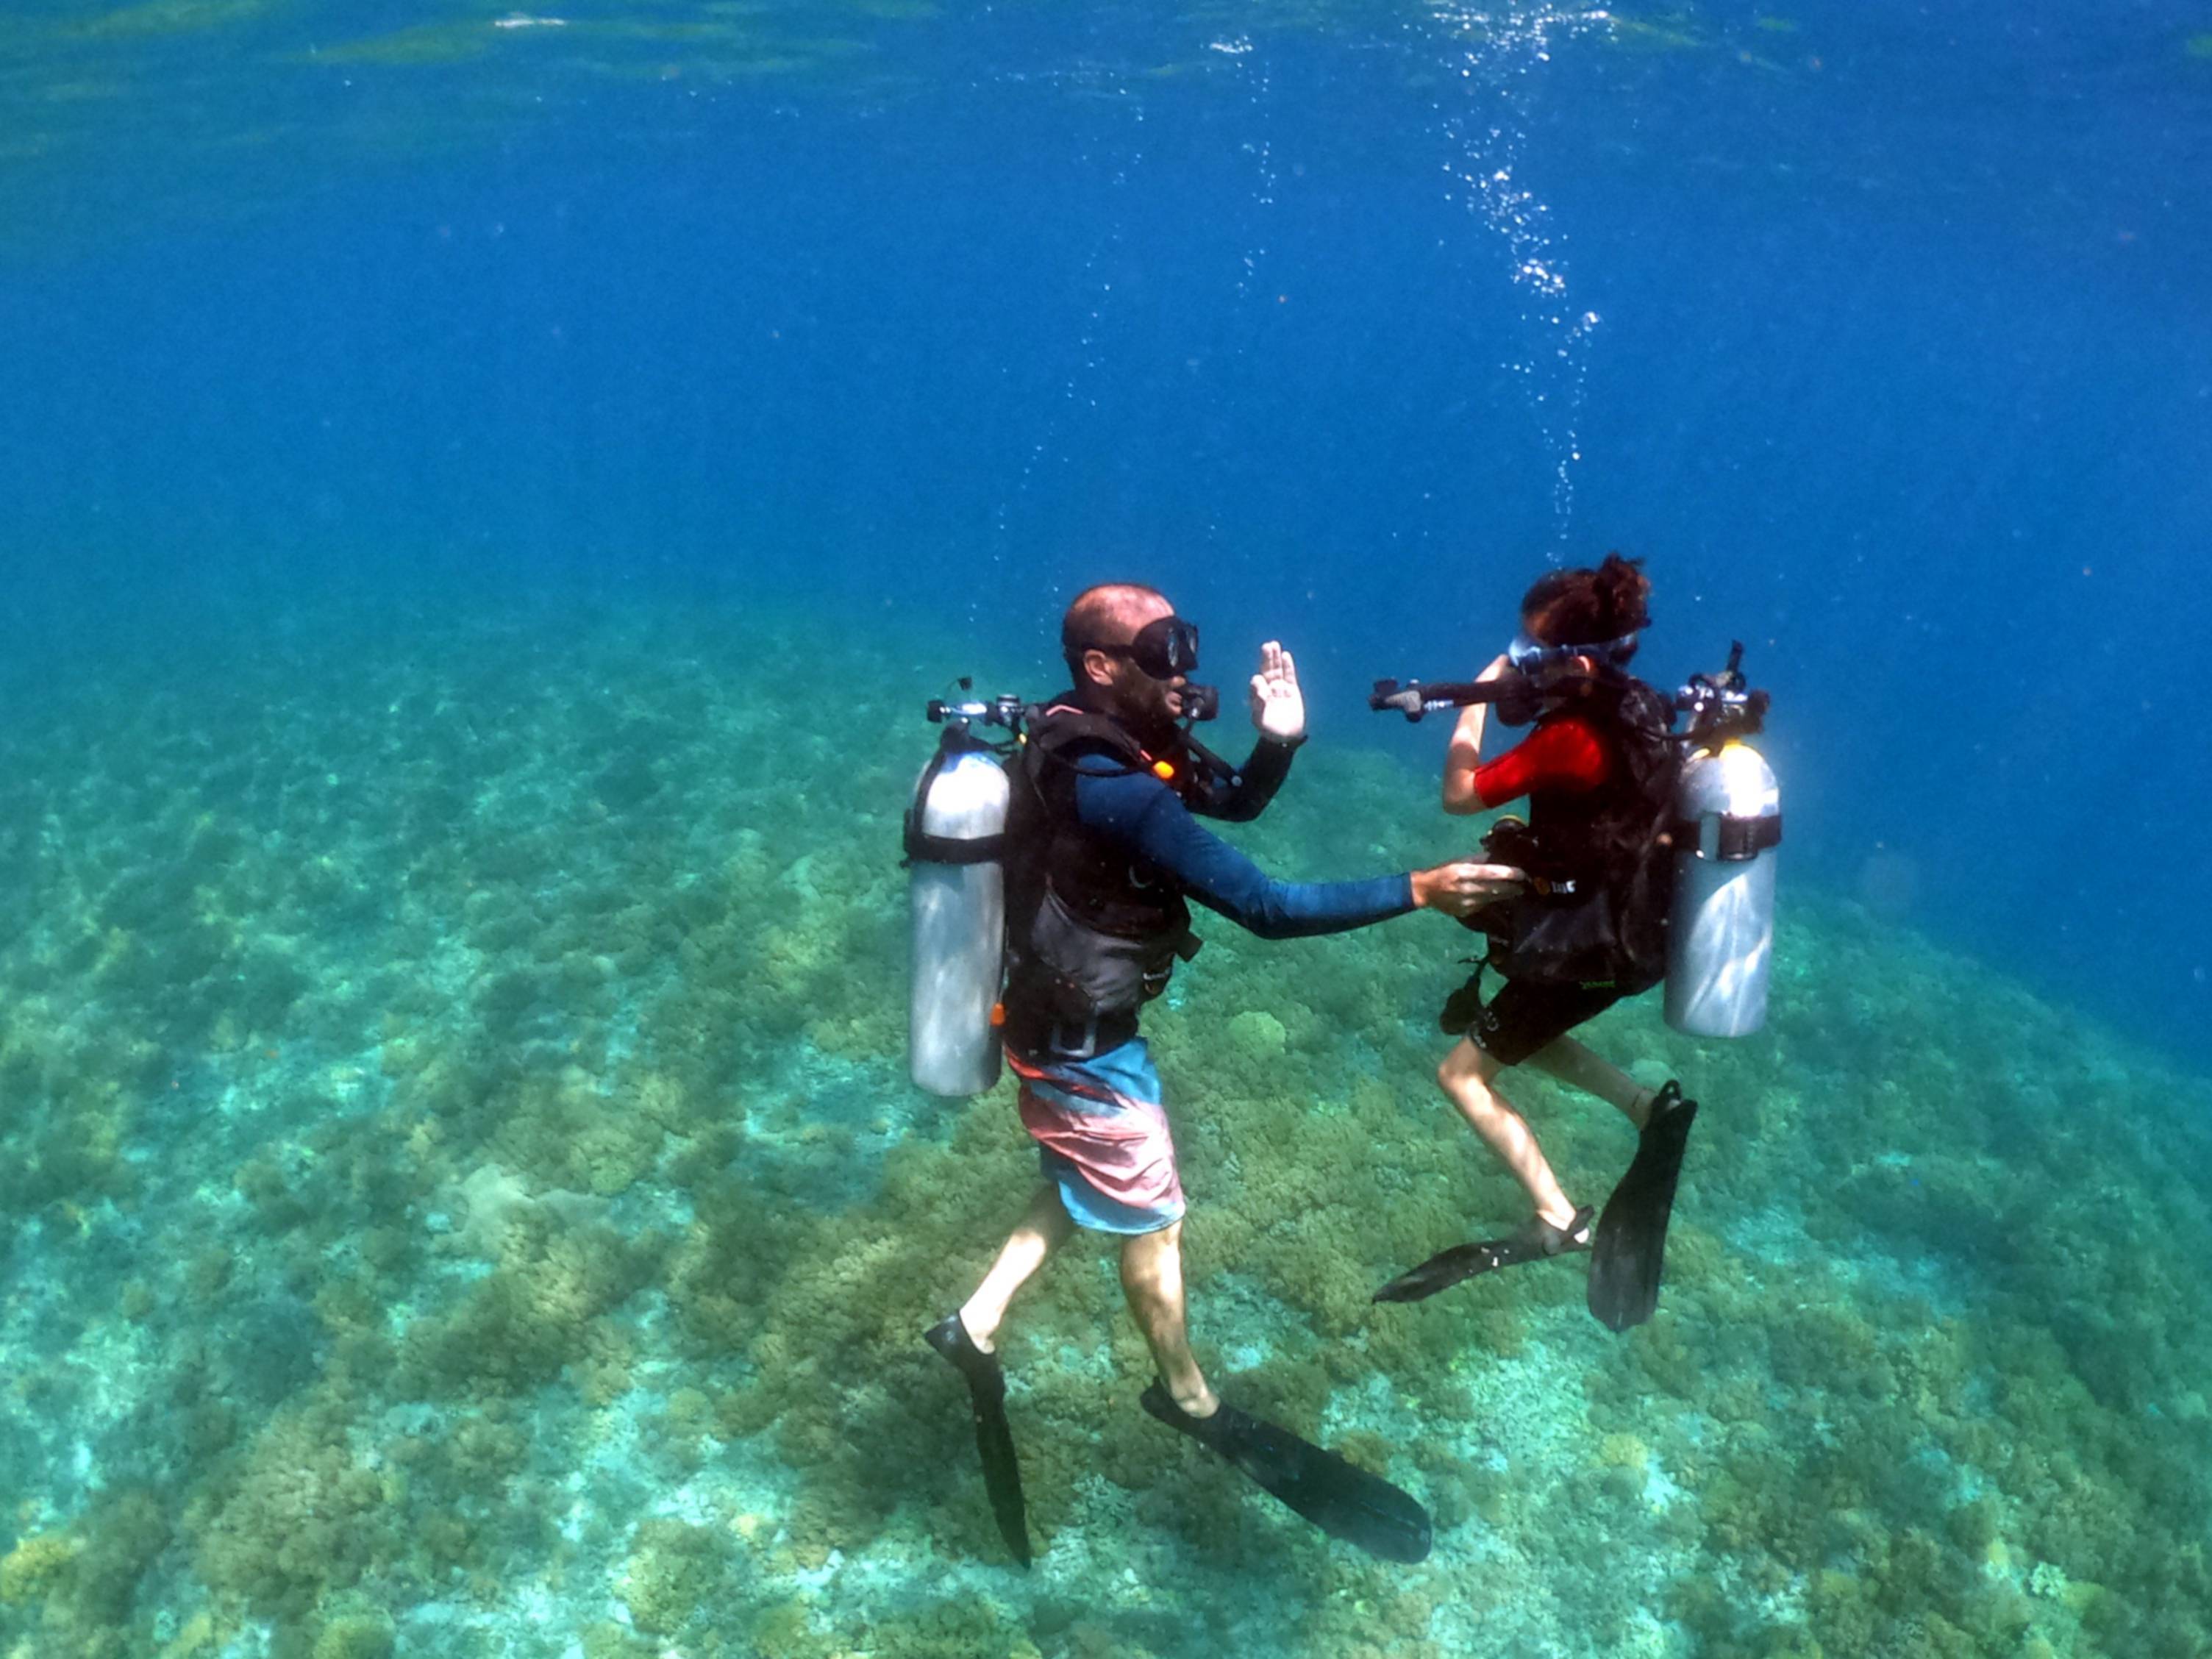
{"x":1525,"y":1015}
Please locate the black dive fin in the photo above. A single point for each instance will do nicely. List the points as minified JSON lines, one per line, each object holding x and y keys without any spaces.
{"x":1344,"y":1500}
{"x":1631,"y":1233}
{"x":995,"y":1437}
{"x":1537,"y":1241}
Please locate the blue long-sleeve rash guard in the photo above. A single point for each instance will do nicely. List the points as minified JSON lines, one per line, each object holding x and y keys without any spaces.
{"x":1140,"y":811}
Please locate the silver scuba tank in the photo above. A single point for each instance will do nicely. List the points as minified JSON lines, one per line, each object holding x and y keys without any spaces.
{"x":955,"y":838}
{"x":1720,"y":932}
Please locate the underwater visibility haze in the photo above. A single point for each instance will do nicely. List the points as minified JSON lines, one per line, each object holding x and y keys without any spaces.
{"x":487,"y":493}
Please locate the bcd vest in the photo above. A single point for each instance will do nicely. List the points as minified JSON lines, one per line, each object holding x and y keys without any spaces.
{"x":1093,"y":930}
{"x":1598,"y":913}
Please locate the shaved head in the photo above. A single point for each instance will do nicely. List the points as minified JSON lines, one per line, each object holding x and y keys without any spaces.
{"x":1110,"y":614}
{"x":1095,"y":636}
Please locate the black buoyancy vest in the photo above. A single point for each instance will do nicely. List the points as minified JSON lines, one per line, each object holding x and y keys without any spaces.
{"x":1605,"y":852}
{"x":1093,"y":930}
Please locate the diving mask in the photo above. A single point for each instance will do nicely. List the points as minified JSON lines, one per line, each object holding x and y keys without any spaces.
{"x":1162,"y":648}
{"x":1529,"y":657}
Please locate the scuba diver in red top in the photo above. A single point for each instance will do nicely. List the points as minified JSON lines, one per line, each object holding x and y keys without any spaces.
{"x":1103,"y":849}
{"x":1598,"y":770}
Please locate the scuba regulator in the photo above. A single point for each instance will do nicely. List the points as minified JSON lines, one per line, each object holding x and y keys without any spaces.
{"x":1200,"y":703}
{"x":1722,"y":706}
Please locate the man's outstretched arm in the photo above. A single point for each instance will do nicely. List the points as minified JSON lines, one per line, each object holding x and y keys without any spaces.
{"x":1143,"y":813}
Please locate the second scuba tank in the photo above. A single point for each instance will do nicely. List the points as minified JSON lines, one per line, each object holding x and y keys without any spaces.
{"x":954,"y":840}
{"x":1720,"y":935}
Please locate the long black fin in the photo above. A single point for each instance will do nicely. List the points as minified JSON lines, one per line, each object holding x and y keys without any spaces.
{"x":1341,"y":1498}
{"x":1632,"y":1232}
{"x":1538,"y":1241}
{"x":994,"y":1435}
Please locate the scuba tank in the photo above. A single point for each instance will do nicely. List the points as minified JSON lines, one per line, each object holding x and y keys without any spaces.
{"x":955,"y":843}
{"x":1728,"y":821}
{"x":956,"y":848}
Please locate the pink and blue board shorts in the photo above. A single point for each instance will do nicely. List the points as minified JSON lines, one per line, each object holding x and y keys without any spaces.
{"x":1103,"y":1138}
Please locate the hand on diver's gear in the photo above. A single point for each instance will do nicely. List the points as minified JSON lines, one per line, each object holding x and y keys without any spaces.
{"x":1460,"y":890}
{"x":1279,"y":708}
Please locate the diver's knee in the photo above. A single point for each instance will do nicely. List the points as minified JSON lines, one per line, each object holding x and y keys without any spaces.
{"x":1455,"y":1073}
{"x":1465,"y":1072}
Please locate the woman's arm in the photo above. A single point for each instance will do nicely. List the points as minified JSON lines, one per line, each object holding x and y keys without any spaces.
{"x":1464,"y":754}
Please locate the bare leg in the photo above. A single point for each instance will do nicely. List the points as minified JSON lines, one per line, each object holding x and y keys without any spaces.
{"x":1151,"y":1277}
{"x":1467,"y":1078}
{"x":1575,"y":1065}
{"x":1043,"y":1228}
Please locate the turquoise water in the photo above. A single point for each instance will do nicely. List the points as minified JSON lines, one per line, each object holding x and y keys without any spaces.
{"x":489,"y":492}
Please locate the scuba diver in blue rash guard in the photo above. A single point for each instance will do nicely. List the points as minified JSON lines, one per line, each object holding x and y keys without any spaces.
{"x":1101,"y":852}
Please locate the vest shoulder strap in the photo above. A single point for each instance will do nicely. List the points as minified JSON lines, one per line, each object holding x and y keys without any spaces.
{"x":1056,"y":730}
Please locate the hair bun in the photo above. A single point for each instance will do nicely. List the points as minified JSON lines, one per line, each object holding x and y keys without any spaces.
{"x":1584,"y":606}
{"x":1625,"y":593}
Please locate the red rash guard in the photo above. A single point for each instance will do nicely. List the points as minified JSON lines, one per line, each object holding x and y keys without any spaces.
{"x":1567,"y":756}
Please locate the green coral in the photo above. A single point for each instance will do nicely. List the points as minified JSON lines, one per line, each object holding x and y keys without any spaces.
{"x":541,"y":1310}
{"x":300,"y":1513}
{"x":79,"y":1588}
{"x":677,"y":1575}
{"x":365,"y":1635}
{"x":35,"y":1564}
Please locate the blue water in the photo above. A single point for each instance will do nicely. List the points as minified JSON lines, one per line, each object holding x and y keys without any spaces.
{"x":1901,"y":371}
{"x":484,"y":494}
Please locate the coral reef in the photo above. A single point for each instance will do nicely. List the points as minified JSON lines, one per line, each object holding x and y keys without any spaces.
{"x":464,"y":1180}
{"x":300,"y":1511}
